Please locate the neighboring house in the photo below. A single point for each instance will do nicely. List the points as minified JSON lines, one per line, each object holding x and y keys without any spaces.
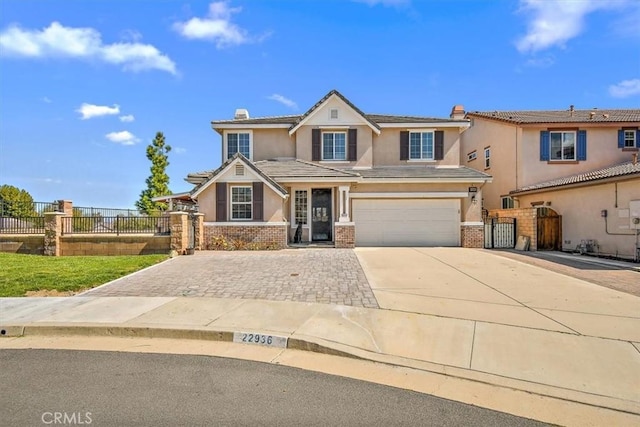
{"x":335,"y":174}
{"x":579,"y":164}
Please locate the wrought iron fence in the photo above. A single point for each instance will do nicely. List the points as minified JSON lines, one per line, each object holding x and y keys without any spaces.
{"x":25,"y":210}
{"x":23,"y":225}
{"x":116,"y":225}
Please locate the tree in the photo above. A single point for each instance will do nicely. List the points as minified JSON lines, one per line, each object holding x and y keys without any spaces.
{"x":158,"y":181}
{"x":16,"y":203}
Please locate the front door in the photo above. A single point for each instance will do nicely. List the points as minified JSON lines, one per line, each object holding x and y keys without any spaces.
{"x":321,"y":215}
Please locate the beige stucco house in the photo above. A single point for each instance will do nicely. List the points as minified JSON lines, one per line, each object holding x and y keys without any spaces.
{"x":339,"y":176}
{"x":580,"y":165}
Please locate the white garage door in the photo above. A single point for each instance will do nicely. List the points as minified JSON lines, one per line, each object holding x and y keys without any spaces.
{"x":407,"y":222}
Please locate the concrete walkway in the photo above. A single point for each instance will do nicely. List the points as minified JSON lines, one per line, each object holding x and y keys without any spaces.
{"x":462,"y":324}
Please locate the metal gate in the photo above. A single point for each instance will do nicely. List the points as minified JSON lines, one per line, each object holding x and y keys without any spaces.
{"x":499,"y":233}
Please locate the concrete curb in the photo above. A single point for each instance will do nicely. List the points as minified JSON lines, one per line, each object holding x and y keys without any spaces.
{"x":321,"y":346}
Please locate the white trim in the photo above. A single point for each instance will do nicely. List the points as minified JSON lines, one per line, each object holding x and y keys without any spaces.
{"x":337,"y":127}
{"x":422,"y":181}
{"x":313,"y":180}
{"x":464,"y":125}
{"x":244,"y":223}
{"x":249,"y":169}
{"x":225,"y":145}
{"x":294,"y":221}
{"x":231,"y":202}
{"x":417,"y":195}
{"x":253,"y":126}
{"x":338,"y":224}
{"x":575,"y":145}
{"x":474,"y":223}
{"x":326,"y":101}
{"x":333,"y":141}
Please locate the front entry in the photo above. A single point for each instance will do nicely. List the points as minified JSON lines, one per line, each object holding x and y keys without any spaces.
{"x":321,"y":217}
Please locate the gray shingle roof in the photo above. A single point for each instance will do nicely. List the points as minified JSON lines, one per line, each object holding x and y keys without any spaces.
{"x":294,"y":168}
{"x":561,"y":116}
{"x":202,"y":179}
{"x":623,"y":169}
{"x":422,"y":172}
{"x":293,"y":120}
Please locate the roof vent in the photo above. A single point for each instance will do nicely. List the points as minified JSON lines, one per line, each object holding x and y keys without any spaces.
{"x":241,"y":113}
{"x":571,"y":109}
{"x":592,"y":115}
{"x":239,"y":170}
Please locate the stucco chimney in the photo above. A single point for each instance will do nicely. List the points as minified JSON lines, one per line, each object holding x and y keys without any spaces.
{"x":241,"y":113}
{"x":457,"y":112}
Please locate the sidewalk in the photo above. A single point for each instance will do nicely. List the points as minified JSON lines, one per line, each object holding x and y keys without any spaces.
{"x":603,"y":375}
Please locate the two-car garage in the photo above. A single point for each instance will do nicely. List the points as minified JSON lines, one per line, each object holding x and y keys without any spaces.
{"x":407,"y":222}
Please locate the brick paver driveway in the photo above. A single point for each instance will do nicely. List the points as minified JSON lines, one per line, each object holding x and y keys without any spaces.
{"x":331,"y":276}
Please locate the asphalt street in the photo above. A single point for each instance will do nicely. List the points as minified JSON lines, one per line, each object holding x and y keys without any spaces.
{"x":54,"y":387}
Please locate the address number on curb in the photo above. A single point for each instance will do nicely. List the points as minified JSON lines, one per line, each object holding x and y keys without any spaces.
{"x":260,"y":339}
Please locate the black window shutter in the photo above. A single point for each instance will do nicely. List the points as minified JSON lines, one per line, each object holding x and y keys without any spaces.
{"x":258,"y":204}
{"x":439,"y":145}
{"x":353,"y":145}
{"x":315,"y":145}
{"x":544,"y":145}
{"x":404,"y":145}
{"x":221,"y":201}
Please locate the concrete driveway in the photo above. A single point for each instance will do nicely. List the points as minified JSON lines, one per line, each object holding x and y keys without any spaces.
{"x":485,"y":286}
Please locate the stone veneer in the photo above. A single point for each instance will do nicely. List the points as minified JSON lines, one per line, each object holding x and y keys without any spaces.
{"x":345,"y":235}
{"x":472,"y":236}
{"x":271,"y":236}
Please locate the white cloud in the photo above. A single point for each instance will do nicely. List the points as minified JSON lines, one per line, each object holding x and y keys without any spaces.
{"x":124,"y":137}
{"x":127,"y":119}
{"x":554,"y":22}
{"x":625,"y":88}
{"x":285,"y":101}
{"x":88,"y":111}
{"x":542,"y":62}
{"x":179,"y":150}
{"x":216,"y":27}
{"x":58,"y":41}
{"x":46,"y":100}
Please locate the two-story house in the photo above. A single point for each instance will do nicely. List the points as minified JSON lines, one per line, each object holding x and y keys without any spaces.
{"x":577,"y":164}
{"x":335,"y":174}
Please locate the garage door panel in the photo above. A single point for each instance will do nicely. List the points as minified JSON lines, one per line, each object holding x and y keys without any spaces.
{"x":407,"y":222}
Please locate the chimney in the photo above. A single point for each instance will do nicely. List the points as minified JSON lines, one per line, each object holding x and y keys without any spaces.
{"x":457,"y":112}
{"x":571,"y":109}
{"x":241,"y":113}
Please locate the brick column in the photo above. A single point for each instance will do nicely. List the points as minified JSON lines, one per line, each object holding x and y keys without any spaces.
{"x":179,"y":231}
{"x":199,"y":231}
{"x":52,"y":233}
{"x":345,"y":235}
{"x":65,"y":206}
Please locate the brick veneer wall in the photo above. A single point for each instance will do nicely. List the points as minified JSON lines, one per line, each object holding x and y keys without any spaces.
{"x":526,"y":222}
{"x":114,"y":245}
{"x":472,"y":236}
{"x":345,"y":235}
{"x":22,"y":244}
{"x":269,"y":236}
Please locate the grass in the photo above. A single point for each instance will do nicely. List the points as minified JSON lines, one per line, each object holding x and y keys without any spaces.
{"x":20,"y":274}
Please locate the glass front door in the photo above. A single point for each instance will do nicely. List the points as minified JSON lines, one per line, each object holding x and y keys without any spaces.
{"x":321,"y":218}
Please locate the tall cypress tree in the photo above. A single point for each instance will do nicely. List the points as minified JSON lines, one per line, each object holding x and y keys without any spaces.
{"x":158,"y":181}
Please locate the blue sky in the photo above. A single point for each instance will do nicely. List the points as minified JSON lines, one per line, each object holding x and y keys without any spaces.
{"x":84,"y":86}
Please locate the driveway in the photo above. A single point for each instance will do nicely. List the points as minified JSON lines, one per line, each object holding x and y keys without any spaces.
{"x":331,"y":276}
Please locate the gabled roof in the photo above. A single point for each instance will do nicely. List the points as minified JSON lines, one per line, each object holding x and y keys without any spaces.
{"x":237,"y":158}
{"x":280,"y":169}
{"x":625,"y":169}
{"x":375,"y":121}
{"x":303,"y":118}
{"x":560,"y":116}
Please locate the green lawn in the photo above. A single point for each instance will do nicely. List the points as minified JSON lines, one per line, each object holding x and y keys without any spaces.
{"x":22,"y":273}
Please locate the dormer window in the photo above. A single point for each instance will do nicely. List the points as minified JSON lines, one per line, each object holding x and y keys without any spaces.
{"x":333,"y":114}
